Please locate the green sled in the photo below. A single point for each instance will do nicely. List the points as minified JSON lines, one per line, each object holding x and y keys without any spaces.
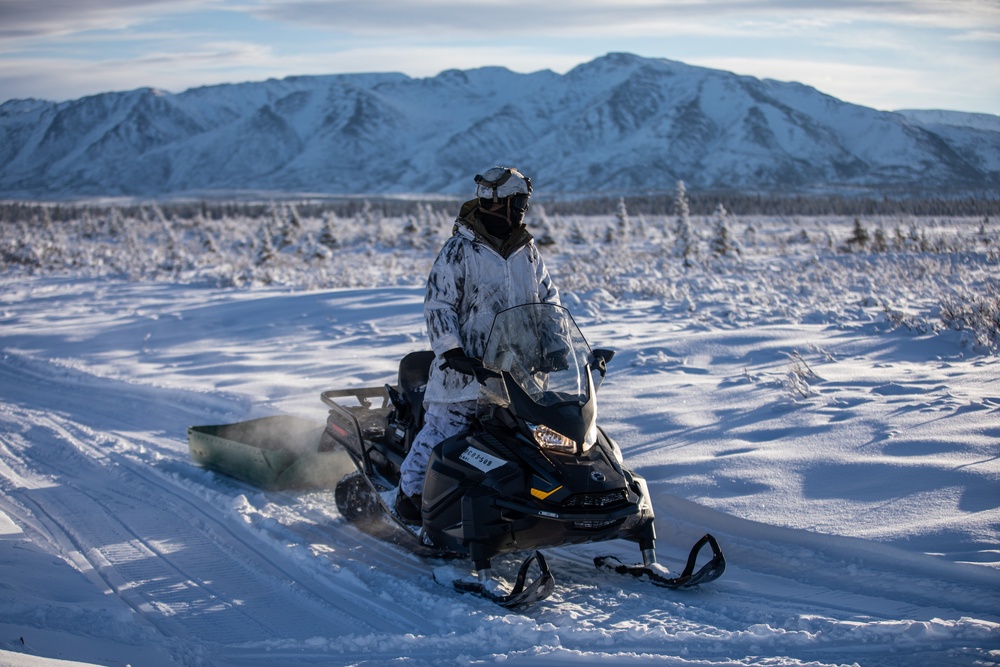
{"x":273,"y":453}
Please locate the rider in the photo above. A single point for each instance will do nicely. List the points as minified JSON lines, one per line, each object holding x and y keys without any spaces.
{"x":489,"y":264}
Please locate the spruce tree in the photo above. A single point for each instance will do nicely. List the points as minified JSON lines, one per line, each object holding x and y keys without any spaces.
{"x":859,"y":237}
{"x":624,"y":231}
{"x":328,"y":237}
{"x":686,"y":244}
{"x":723,"y":244}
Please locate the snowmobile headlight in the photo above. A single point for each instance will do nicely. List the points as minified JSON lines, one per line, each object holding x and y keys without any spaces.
{"x":547,"y":438}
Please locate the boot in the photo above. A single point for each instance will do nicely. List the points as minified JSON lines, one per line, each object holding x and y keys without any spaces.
{"x":408,"y":508}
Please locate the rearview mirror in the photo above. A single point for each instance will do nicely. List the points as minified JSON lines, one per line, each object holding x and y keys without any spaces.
{"x":601,"y":358}
{"x":604,"y":354}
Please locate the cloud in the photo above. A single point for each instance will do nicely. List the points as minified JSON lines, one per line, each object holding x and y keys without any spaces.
{"x":27,"y":19}
{"x":488,"y":18}
{"x":878,"y":86}
{"x":430,"y":18}
{"x":42,"y":18}
{"x":857,"y":49}
{"x":40,"y":77}
{"x":425,"y":61}
{"x":980,"y":36}
{"x":173,"y":70}
{"x":231,"y":62}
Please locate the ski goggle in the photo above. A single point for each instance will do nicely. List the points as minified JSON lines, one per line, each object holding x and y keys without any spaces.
{"x":495,"y":185}
{"x":518,"y":203}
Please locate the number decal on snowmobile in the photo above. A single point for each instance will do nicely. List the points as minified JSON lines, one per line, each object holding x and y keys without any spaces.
{"x":481,"y":460}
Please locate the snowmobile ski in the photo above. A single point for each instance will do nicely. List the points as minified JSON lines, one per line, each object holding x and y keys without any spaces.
{"x":655,"y":573}
{"x":361,"y":502}
{"x":522,"y":595}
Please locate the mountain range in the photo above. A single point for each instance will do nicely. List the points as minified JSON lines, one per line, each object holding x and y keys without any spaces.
{"x":619,"y":124}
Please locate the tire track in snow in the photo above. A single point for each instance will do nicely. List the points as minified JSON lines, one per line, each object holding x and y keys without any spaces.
{"x":192,"y":559}
{"x":181,"y":568}
{"x":343,"y":593}
{"x":752,"y":608}
{"x":376,"y":597}
{"x":87,"y":432}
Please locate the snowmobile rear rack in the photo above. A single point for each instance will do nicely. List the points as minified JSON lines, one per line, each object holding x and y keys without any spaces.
{"x":363,"y":394}
{"x":356,"y":426}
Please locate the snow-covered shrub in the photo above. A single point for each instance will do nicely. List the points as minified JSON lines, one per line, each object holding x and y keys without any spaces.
{"x":623,"y":229}
{"x":543,"y":229}
{"x":799,"y":378}
{"x":977,"y":314}
{"x":723,"y":244}
{"x":328,"y":236}
{"x":935,"y":272}
{"x":686,"y":240}
{"x":859,"y":238}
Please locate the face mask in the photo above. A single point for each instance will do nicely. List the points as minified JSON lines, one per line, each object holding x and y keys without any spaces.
{"x":496,"y":224}
{"x":504,"y":216}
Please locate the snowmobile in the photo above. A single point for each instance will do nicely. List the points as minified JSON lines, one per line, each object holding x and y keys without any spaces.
{"x":534,"y":471}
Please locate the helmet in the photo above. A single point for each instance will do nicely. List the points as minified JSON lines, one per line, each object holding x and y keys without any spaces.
{"x":500,"y":182}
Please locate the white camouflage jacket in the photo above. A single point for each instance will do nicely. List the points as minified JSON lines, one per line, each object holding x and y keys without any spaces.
{"x":471,"y":281}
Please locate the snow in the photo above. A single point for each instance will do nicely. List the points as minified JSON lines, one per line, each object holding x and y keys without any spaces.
{"x":979,"y":121}
{"x":805,"y":405}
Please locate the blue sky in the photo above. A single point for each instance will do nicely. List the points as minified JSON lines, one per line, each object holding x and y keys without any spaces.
{"x":886,"y":54}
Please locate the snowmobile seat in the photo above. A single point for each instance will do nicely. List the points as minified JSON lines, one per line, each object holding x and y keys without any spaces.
{"x":414,"y":370}
{"x":408,"y":397}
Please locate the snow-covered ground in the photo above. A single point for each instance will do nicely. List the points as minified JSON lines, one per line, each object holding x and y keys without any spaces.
{"x":807,"y":406}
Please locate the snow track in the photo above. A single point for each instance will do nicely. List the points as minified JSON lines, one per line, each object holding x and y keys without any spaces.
{"x":186,"y":566}
{"x":192,"y":568}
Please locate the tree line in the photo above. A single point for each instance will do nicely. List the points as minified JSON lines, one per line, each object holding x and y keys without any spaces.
{"x":699,"y":203}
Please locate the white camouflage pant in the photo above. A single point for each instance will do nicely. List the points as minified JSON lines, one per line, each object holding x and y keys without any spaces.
{"x":441,"y":421}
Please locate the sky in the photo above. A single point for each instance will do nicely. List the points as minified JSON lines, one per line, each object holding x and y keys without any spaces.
{"x":885,"y":54}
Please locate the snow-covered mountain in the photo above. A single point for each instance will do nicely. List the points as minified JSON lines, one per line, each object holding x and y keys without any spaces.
{"x":618,"y":124}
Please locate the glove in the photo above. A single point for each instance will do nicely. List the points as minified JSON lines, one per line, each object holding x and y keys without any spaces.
{"x":555,"y":361}
{"x":456,"y":360}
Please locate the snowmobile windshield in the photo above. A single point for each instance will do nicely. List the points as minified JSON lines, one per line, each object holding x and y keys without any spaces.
{"x":540,"y":348}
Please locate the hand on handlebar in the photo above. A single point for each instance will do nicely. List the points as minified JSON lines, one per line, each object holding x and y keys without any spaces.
{"x":457,"y":360}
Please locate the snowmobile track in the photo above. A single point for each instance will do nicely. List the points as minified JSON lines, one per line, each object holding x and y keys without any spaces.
{"x":195,"y":560}
{"x":198,"y":557}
